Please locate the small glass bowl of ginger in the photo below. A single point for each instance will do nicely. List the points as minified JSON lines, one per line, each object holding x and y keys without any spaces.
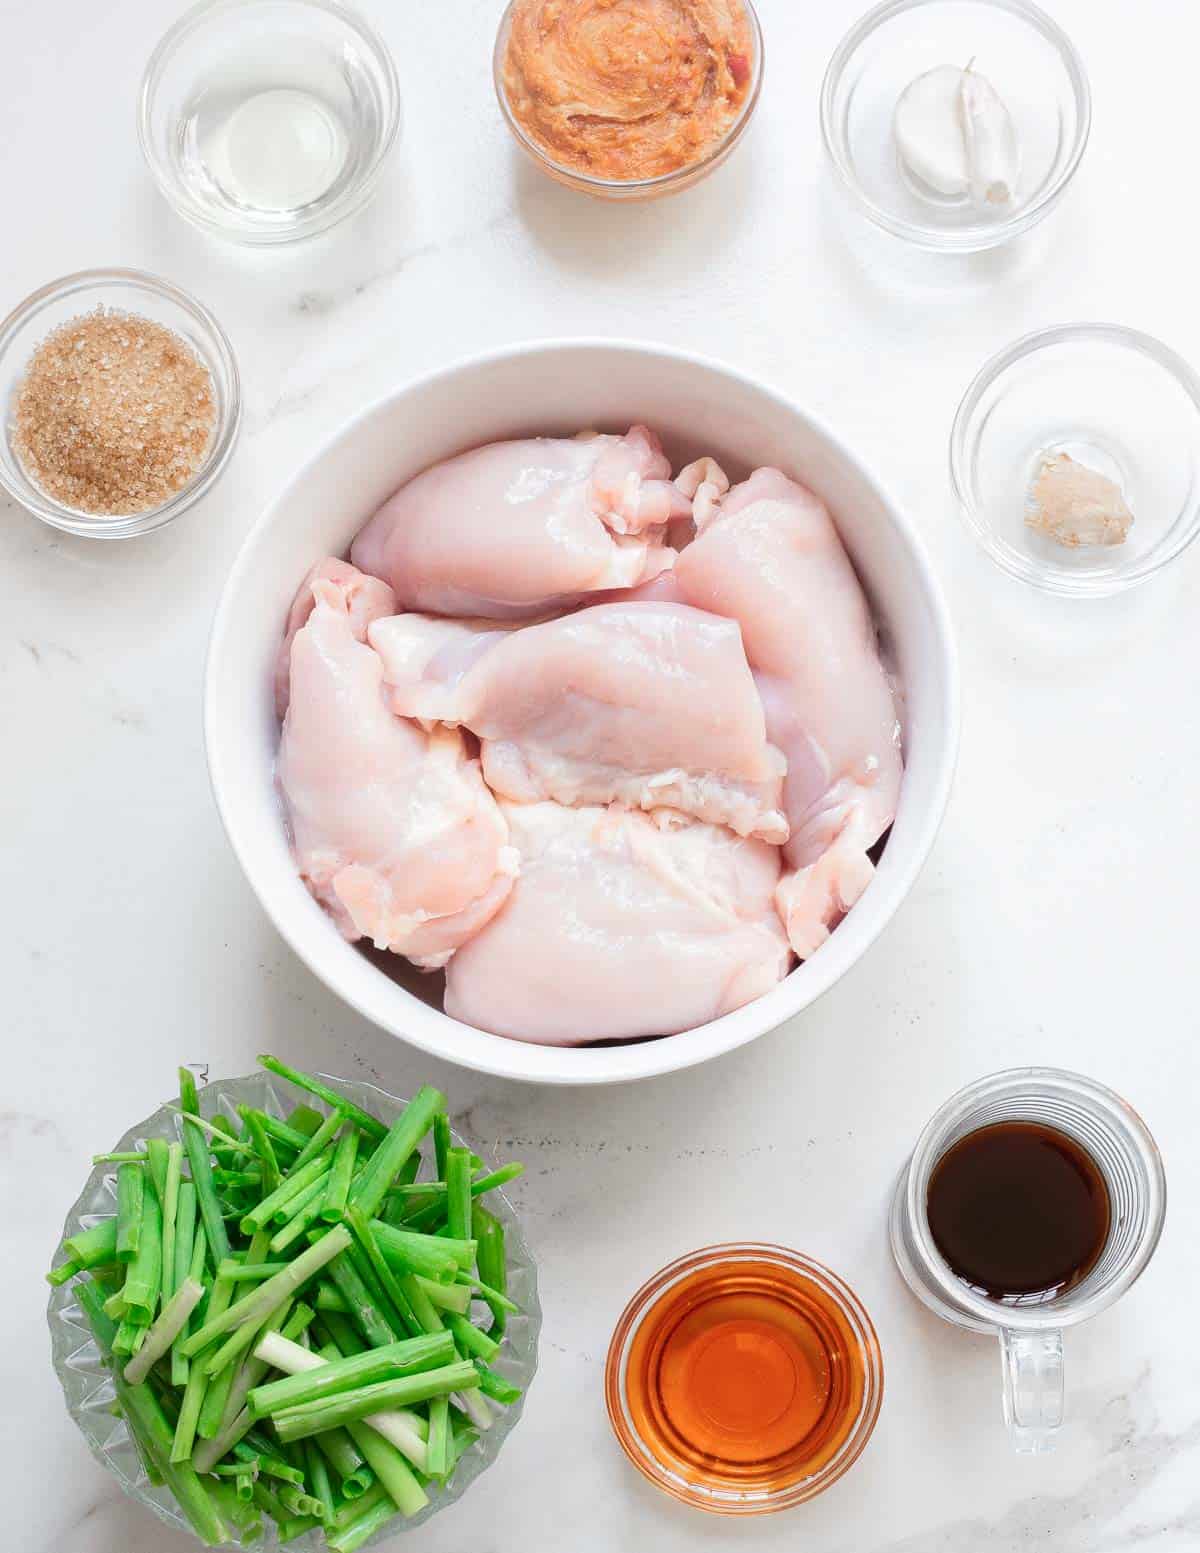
{"x":627,"y":150}
{"x":120,"y":403}
{"x":1075,"y":457}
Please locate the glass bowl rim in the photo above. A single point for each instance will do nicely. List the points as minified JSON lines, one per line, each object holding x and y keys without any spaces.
{"x":74,"y":520}
{"x":1026,"y":569}
{"x":352,"y":198}
{"x":977,"y":237}
{"x":660,"y":183}
{"x":987,"y":1315}
{"x":60,"y":1300}
{"x":729,"y":1253}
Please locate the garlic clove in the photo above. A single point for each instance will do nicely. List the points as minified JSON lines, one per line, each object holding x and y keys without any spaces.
{"x":928,"y":131}
{"x":1074,"y":505}
{"x":990,"y":141}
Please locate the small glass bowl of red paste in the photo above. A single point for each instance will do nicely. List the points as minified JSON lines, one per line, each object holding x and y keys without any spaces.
{"x":628,"y":100}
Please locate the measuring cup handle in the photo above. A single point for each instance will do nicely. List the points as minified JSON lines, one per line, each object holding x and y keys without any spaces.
{"x":1032,"y":1364}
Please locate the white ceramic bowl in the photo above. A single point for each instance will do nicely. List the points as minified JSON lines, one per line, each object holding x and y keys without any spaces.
{"x":697,"y":406}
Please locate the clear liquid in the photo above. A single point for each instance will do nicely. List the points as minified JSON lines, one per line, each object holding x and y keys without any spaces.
{"x":276,"y":151}
{"x":275,"y":134}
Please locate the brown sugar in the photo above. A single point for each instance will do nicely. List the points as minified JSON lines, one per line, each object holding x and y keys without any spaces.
{"x":114,"y":415}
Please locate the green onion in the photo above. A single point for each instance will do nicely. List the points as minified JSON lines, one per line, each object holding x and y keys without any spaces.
{"x":197,"y":1381}
{"x":143,"y":1281}
{"x":290,"y":1187}
{"x":240,"y":1272}
{"x":352,"y":1536}
{"x":362,"y":1119}
{"x":386,"y":1278}
{"x":317,"y":1473}
{"x":321,"y":1138}
{"x":340,"y":1451}
{"x":302,"y":1118}
{"x":172,"y":1181}
{"x":402,"y":1138}
{"x":141,"y":1407}
{"x":458,"y":1193}
{"x":364,"y":1308}
{"x":164,"y":1331}
{"x":239,"y":1399}
{"x":438,"y":1447}
{"x":201,"y":1166}
{"x":408,"y":1357}
{"x":95,"y":1246}
{"x":442,"y":1296}
{"x":406,"y":1252}
{"x":442,"y":1143}
{"x":268,"y":1295}
{"x":297,"y":1423}
{"x":470,"y":1339}
{"x":495,"y":1386}
{"x":298,"y":1224}
{"x":131,"y":1191}
{"x":254,"y":1121}
{"x":334,"y":1207}
{"x":492,"y":1262}
{"x":301,"y":1200}
{"x":235,"y":1421}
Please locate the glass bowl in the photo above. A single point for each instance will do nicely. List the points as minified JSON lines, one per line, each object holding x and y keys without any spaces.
{"x":1113,"y":399}
{"x":629,"y":188}
{"x":88,"y":1388}
{"x":1029,"y":60}
{"x":727,"y":1496}
{"x":130,"y":291}
{"x":267,"y":121}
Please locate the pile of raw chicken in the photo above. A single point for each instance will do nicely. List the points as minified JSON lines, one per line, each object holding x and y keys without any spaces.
{"x":611,"y":748}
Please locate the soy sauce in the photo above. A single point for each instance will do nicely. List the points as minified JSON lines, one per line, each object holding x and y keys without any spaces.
{"x":1019,"y":1211}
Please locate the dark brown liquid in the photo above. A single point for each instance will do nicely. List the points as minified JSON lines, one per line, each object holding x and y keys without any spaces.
{"x":1018,"y":1209}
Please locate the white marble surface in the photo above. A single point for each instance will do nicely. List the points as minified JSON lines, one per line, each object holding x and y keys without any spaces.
{"x":1055,"y":922}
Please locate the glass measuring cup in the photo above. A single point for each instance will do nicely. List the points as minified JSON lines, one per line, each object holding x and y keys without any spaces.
{"x":1030,"y":1327}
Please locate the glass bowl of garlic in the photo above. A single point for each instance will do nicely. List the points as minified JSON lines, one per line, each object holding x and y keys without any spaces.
{"x":1075,"y":456}
{"x":955,"y":124}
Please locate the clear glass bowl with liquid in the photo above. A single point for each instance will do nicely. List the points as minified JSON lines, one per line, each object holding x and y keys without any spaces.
{"x":267,"y":121}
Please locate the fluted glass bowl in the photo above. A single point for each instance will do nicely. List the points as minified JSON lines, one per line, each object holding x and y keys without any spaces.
{"x":87,"y":1385}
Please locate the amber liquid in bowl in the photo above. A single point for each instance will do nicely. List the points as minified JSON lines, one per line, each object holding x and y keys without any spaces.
{"x":745,"y":1379}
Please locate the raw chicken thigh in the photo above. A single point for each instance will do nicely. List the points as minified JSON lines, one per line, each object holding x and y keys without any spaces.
{"x":768,"y":555}
{"x":621,"y":925}
{"x":645,"y":704}
{"x":366,"y":599}
{"x":518,"y":529}
{"x":394,"y":832}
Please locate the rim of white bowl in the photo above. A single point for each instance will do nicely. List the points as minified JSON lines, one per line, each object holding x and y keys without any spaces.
{"x":430,"y":1030}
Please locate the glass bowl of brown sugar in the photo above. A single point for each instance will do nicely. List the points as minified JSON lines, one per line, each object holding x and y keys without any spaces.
{"x":120,"y":403}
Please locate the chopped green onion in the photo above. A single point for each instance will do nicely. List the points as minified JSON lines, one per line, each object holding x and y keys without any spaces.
{"x":402,"y":1138}
{"x":131,"y":1191}
{"x":297,"y":1423}
{"x":268,"y":1295}
{"x":362,"y":1119}
{"x":333,"y":1208}
{"x":95,"y":1246}
{"x":409,"y":1357}
{"x":164,"y":1331}
{"x":321,"y":1138}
